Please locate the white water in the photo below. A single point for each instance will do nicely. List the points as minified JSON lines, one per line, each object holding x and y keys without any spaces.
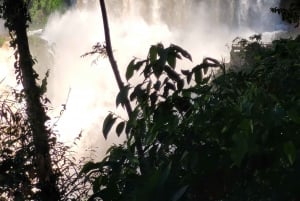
{"x":203,"y":27}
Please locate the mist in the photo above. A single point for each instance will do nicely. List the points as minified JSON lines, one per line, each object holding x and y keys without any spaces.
{"x":87,"y":86}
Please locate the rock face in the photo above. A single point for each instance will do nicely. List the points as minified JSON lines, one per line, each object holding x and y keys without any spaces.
{"x":3,"y":30}
{"x":70,"y":2}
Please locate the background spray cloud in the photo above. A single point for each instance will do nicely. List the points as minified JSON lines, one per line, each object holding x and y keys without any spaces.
{"x":203,"y":27}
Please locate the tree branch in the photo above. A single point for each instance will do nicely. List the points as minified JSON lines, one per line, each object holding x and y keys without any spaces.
{"x":119,"y":81}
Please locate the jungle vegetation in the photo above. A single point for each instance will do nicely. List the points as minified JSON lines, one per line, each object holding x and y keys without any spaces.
{"x":203,"y":133}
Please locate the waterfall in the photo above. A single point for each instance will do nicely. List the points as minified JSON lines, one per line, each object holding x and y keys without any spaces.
{"x":254,"y":14}
{"x":203,"y":27}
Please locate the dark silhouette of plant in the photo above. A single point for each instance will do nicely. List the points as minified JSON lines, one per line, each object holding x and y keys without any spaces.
{"x":232,"y":137}
{"x":18,"y":174}
{"x":16,"y":16}
{"x":290,"y":14}
{"x":34,"y":165}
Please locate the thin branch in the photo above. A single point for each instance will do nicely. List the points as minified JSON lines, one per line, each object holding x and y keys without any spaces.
{"x":119,"y":80}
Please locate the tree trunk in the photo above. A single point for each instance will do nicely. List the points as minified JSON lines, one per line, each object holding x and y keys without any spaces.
{"x":17,"y":24}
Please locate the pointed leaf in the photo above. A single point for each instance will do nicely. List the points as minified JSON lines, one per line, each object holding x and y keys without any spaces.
{"x":122,"y":96}
{"x":88,"y":167}
{"x":290,"y":151}
{"x":185,"y":72}
{"x":172,"y":73}
{"x":157,"y":69}
{"x":172,"y":60}
{"x":153,"y":98}
{"x":156,"y":86}
{"x":182,"y":52}
{"x":107,"y":124}
{"x":165,"y":174}
{"x":130,"y":69}
{"x":294,"y":115}
{"x":97,"y":184}
{"x":169,"y":85}
{"x":180,"y":84}
{"x":120,"y":128}
{"x":240,"y":148}
{"x":153,"y":53}
{"x":198,"y":76}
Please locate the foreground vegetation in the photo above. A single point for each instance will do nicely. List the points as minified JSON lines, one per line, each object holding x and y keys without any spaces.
{"x":189,"y":137}
{"x":231,"y":137}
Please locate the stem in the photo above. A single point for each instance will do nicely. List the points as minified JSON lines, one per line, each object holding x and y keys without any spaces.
{"x":119,"y":81}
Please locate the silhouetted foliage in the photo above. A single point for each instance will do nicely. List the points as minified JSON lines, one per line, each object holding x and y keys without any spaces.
{"x":290,"y":14}
{"x":18,"y":177}
{"x":34,"y":166}
{"x":232,"y":137}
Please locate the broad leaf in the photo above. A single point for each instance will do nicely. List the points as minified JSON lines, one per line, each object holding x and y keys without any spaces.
{"x":172,"y":59}
{"x":88,"y":167}
{"x":172,"y":74}
{"x":153,"y":53}
{"x":120,"y":128}
{"x":290,"y":151}
{"x":130,"y":69}
{"x":107,"y":124}
{"x":122,"y":97}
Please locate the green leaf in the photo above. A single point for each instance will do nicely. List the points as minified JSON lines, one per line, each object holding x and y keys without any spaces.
{"x":169,"y":85}
{"x":153,"y":98}
{"x":290,"y":151}
{"x":294,"y":115}
{"x":151,"y":137}
{"x":182,"y":51}
{"x":97,"y":184}
{"x":172,"y":60}
{"x":137,"y":92}
{"x":157,"y":69}
{"x":185,"y":72}
{"x":107,"y":124}
{"x":198,"y":76}
{"x":147,"y":70}
{"x":88,"y":167}
{"x":156,"y":86}
{"x":172,"y":73}
{"x":189,"y":78}
{"x":153,"y":53}
{"x":165,"y":174}
{"x":180,"y":84}
{"x":206,"y":80}
{"x":122,"y":96}
{"x":130,"y":70}
{"x":240,"y":148}
{"x":179,"y":193}
{"x":120,"y":128}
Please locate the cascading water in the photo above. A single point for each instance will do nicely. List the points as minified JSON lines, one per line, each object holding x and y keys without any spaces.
{"x":203,"y":27}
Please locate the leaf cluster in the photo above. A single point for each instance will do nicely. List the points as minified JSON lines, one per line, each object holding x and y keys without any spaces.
{"x":290,"y":14}
{"x":234,"y":137}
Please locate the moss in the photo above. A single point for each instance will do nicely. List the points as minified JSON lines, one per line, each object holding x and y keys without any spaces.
{"x":40,"y":10}
{"x":2,"y":40}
